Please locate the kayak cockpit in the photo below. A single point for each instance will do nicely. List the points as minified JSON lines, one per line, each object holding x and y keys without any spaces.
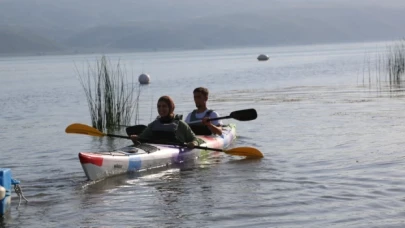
{"x":140,"y":149}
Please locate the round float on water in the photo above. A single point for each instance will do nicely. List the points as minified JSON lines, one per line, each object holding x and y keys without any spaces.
{"x":263,"y":57}
{"x":144,"y":79}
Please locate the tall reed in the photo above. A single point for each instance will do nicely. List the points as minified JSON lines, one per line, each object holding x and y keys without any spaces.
{"x":396,"y":64}
{"x":389,"y":68}
{"x":111,"y":97}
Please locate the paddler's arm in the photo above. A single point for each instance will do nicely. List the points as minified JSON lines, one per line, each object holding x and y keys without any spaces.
{"x":214,"y":129}
{"x":186,"y":135}
{"x":146,"y":134}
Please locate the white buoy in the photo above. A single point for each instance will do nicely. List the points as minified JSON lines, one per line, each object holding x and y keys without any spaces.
{"x":144,"y":79}
{"x":263,"y":57}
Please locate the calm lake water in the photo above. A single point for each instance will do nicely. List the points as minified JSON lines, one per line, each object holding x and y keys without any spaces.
{"x":334,"y":148}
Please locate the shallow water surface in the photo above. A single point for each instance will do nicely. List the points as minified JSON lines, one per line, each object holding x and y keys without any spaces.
{"x":333,"y":147}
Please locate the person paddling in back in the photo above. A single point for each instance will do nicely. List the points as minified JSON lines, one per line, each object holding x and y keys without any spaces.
{"x":202,"y":114}
{"x":167,"y":128}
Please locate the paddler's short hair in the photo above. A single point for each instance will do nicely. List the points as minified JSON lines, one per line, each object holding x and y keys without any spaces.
{"x":204,"y":91}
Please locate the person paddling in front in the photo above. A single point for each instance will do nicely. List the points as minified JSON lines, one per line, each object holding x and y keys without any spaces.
{"x":167,"y":128}
{"x":202,"y":114}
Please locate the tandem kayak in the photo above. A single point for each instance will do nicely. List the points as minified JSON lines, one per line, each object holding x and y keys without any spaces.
{"x":99,"y":165}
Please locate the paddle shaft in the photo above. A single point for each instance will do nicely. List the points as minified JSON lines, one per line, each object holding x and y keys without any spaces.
{"x":211,"y":119}
{"x":166,"y":143}
{"x":240,"y":151}
{"x":195,"y":147}
{"x":208,"y":148}
{"x":219,"y":118}
{"x":179,"y":144}
{"x":118,"y":136}
{"x":83,"y":129}
{"x":241,"y":115}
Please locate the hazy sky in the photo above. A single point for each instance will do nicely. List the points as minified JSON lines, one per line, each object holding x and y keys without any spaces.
{"x":80,"y":13}
{"x":109,"y":23}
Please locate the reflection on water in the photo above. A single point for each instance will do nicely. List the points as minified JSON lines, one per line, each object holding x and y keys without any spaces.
{"x":166,"y":189}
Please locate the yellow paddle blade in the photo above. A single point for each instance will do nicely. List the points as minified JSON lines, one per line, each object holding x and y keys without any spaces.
{"x":245,"y":151}
{"x":78,"y":128}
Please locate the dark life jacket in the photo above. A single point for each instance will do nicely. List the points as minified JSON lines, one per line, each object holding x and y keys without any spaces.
{"x":199,"y":128}
{"x":165,"y":131}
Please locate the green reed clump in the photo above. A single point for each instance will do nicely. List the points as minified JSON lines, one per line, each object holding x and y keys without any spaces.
{"x":387,"y":68}
{"x":111,"y":97}
{"x":395,"y":63}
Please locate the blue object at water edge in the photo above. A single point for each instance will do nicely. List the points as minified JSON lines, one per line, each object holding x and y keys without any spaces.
{"x":5,"y":190}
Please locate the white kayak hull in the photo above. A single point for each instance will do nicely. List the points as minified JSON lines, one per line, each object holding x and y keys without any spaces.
{"x":99,"y":165}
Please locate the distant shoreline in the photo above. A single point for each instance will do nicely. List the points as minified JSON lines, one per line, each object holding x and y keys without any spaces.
{"x":151,"y":50}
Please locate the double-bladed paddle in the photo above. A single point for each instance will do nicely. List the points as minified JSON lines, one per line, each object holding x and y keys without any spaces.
{"x":241,"y":115}
{"x":78,"y":128}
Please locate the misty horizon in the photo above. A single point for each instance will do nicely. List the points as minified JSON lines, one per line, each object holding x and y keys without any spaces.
{"x":73,"y":26}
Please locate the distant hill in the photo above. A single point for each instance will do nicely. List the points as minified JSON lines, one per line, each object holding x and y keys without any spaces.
{"x":28,"y":26}
{"x":281,"y":27}
{"x":20,"y":41}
